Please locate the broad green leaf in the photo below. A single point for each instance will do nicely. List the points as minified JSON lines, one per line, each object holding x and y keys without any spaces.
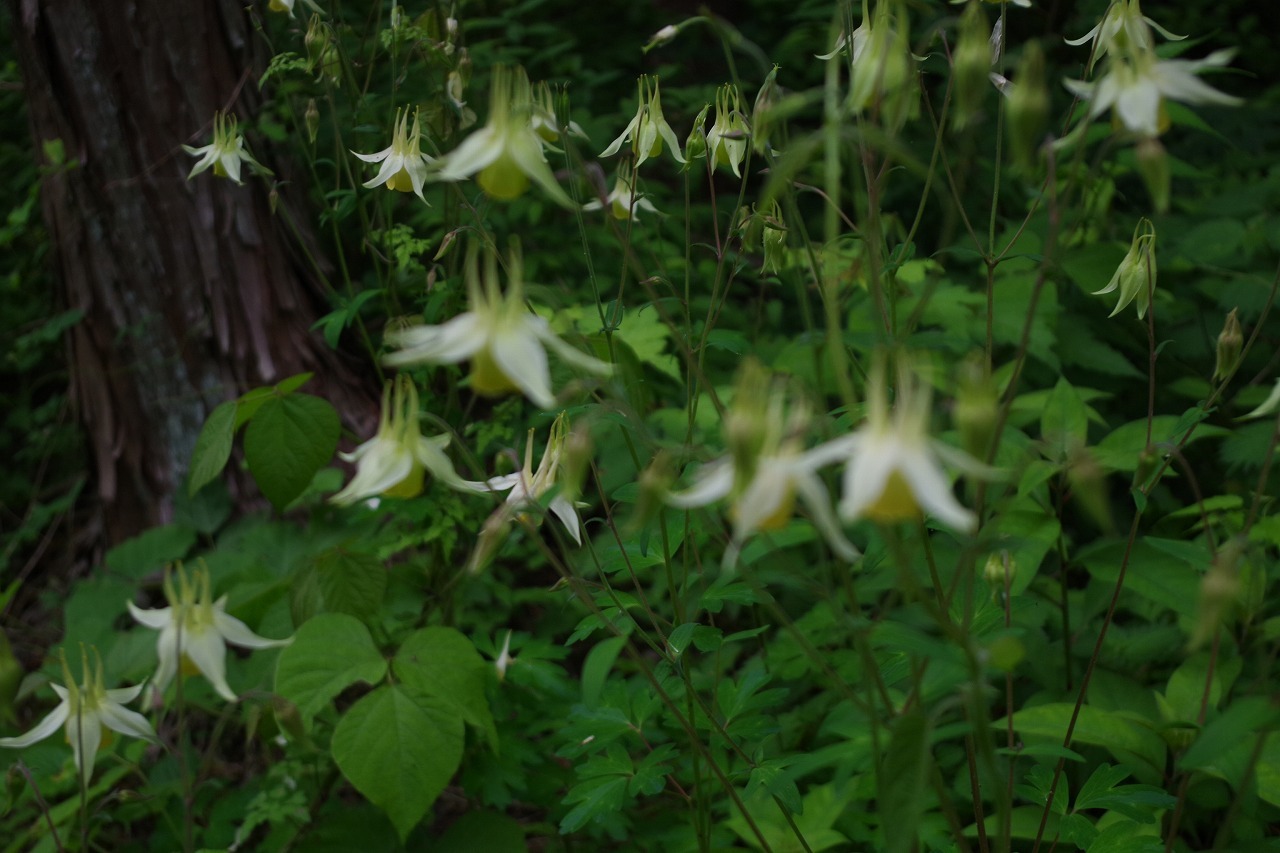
{"x":1064,"y":424}
{"x":329,"y":653}
{"x":399,"y":751}
{"x":487,"y":831}
{"x":151,"y":550}
{"x":213,"y":447}
{"x":349,"y":581}
{"x":1236,"y":724}
{"x":902,"y":778}
{"x":1101,"y":728}
{"x":287,"y":442}
{"x":442,"y":665}
{"x":773,"y":777}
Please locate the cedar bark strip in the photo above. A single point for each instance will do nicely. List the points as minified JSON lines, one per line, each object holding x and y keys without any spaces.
{"x":190,"y":290}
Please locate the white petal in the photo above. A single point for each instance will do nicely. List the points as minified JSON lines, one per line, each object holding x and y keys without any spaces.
{"x":43,"y":729}
{"x":118,"y":718}
{"x":476,"y":151}
{"x":384,"y":466}
{"x":866,"y":476}
{"x":563,"y":510}
{"x":154,"y":619}
{"x":932,"y":490}
{"x":521,"y":357}
{"x":714,"y":481}
{"x":390,"y":168}
{"x":237,"y":633}
{"x":208,"y":652}
{"x":84,"y":732}
{"x":504,"y":482}
{"x":526,"y":150}
{"x":818,"y":502}
{"x":542,"y":329}
{"x":449,"y":343}
{"x":124,"y":695}
{"x":375,"y":158}
{"x":430,"y":453}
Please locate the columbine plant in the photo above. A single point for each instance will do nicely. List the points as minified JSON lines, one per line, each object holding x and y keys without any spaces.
{"x":194,"y":630}
{"x":894,"y":467}
{"x":404,"y":166}
{"x":505,"y":341}
{"x":766,"y":468}
{"x":1135,"y":278}
{"x":225,"y":153}
{"x":526,"y":488}
{"x":84,"y":713}
{"x":727,"y":141}
{"x":649,"y":129}
{"x":394,"y":463}
{"x":506,"y":154}
{"x":623,"y":201}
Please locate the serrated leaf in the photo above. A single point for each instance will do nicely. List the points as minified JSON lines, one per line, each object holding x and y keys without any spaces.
{"x":1101,"y":728}
{"x":399,"y":751}
{"x":213,"y":447}
{"x":443,"y":665}
{"x":329,"y":653}
{"x":288,"y":440}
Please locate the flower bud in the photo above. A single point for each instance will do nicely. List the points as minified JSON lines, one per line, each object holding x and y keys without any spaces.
{"x":1219,"y":592}
{"x":977,"y":407}
{"x":971,"y":63}
{"x":1153,"y":165}
{"x":762,"y":121}
{"x":316,"y":39}
{"x":775,"y":245}
{"x":999,"y":572}
{"x":1028,"y":109}
{"x":1089,"y":488}
{"x":696,"y":145}
{"x":312,"y":117}
{"x":661,"y":37}
{"x":1230,"y":345}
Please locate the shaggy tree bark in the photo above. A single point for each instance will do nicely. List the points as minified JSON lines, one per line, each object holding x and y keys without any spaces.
{"x":192,"y":291}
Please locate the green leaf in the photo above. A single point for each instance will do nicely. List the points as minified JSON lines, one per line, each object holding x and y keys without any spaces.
{"x":290,"y":439}
{"x":349,"y":581}
{"x":486,"y":831}
{"x":603,"y":789}
{"x":152,"y":550}
{"x":773,"y":777}
{"x":1101,"y":728}
{"x":441,"y":665}
{"x":399,"y":751}
{"x":596,"y":667}
{"x":311,"y":671}
{"x":1064,"y":423}
{"x":902,"y":777}
{"x":213,"y":447}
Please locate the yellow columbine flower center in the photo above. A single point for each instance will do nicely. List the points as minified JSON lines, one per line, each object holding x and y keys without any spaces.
{"x":503,"y":179}
{"x":401,"y":181}
{"x":487,"y":377}
{"x":896,"y":503}
{"x":411,"y":485}
{"x":278,"y":6}
{"x":777,"y":519}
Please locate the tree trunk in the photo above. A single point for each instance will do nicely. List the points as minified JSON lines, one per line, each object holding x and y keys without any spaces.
{"x":192,"y":291}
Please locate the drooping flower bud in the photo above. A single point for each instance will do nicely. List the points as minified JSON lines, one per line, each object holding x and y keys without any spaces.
{"x":971,"y":63}
{"x":312,"y":117}
{"x":999,"y":572}
{"x":1230,"y":345}
{"x":696,"y":145}
{"x":762,"y":119}
{"x":977,"y":407}
{"x":1153,"y":165}
{"x":1028,"y":109}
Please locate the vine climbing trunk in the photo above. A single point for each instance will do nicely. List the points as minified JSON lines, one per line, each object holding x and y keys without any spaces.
{"x":191,"y":292}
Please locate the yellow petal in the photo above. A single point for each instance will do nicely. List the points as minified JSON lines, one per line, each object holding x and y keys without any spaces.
{"x":486,"y":376}
{"x":896,"y":502}
{"x":401,"y":181}
{"x":410,"y":486}
{"x":502,"y":179}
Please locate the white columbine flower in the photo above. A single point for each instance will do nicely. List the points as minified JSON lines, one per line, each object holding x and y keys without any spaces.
{"x":623,"y":202}
{"x":505,"y":341}
{"x":1123,"y":29}
{"x":84,"y":712}
{"x":648,"y":130}
{"x":225,"y":153}
{"x":395,"y":461}
{"x":404,"y":166}
{"x":506,"y":153}
{"x":765,"y":469}
{"x":194,"y":630}
{"x":894,"y":469}
{"x":1136,"y":88}
{"x":526,"y":487}
{"x":1135,"y":278}
{"x":727,"y":141}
